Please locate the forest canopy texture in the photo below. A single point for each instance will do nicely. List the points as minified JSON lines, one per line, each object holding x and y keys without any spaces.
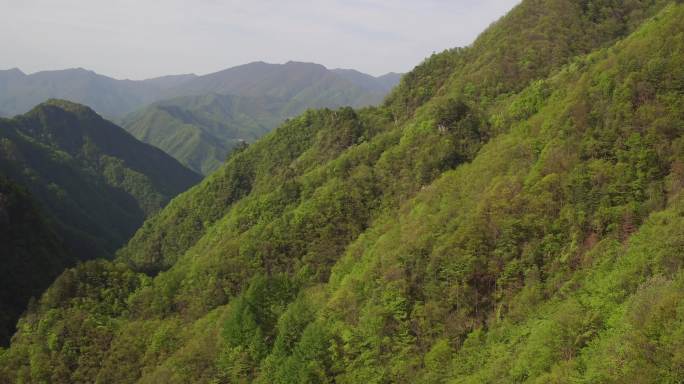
{"x":512,"y":213}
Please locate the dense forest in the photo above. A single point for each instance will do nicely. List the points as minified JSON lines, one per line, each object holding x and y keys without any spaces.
{"x":512,"y":213}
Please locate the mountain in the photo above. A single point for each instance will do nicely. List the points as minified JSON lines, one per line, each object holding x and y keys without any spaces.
{"x":512,"y":213}
{"x":245,"y":103}
{"x":95,"y":180}
{"x":85,"y":186}
{"x":32,"y":254}
{"x":304,"y":85}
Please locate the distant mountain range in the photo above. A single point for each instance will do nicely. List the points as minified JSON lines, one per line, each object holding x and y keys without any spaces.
{"x":198,"y":119}
{"x":112,"y":98}
{"x":304,"y":85}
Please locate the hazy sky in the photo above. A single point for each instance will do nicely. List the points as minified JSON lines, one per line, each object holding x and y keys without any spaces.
{"x":145,"y":38}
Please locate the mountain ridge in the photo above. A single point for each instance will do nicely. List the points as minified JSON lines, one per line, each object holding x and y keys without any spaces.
{"x":23,"y":91}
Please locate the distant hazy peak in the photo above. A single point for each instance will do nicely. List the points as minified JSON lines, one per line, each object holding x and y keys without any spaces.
{"x":12,"y":71}
{"x":182,"y":76}
{"x":304,"y":64}
{"x":69,"y":71}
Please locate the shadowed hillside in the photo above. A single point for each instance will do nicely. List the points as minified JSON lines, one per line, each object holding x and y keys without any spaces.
{"x":96,"y":180}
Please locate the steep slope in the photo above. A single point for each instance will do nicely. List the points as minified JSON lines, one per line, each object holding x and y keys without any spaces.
{"x":497,"y":220}
{"x":32,"y":255}
{"x":96,"y":180}
{"x":507,"y":56}
{"x":531,"y":264}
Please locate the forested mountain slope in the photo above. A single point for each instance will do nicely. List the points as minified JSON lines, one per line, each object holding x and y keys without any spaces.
{"x":511,"y":214}
{"x":96,"y":181}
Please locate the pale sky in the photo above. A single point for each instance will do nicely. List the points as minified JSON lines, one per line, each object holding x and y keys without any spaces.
{"x":139,"y":39}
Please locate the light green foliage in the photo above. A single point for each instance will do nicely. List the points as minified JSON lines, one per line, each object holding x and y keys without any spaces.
{"x":512,"y":214}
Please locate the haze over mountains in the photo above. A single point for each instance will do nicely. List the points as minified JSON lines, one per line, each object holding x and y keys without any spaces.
{"x":200,"y":131}
{"x":243,"y":103}
{"x":201,"y":118}
{"x":114,"y":98}
{"x":110,"y":97}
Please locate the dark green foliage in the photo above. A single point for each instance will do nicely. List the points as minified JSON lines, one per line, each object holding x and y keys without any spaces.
{"x":249,"y":329}
{"x":95,"y":180}
{"x":32,"y":255}
{"x":517,"y":217}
